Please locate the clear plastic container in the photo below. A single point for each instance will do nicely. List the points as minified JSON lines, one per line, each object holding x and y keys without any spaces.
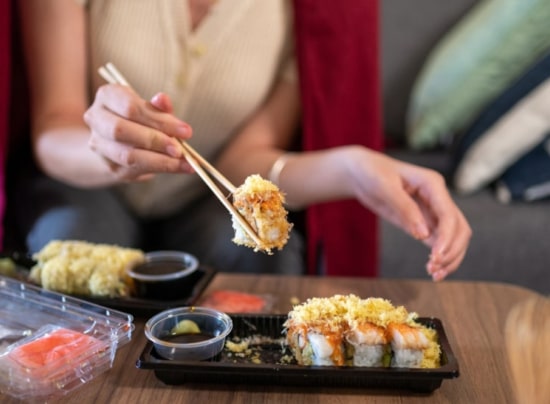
{"x":213,"y":328}
{"x":51,"y":343}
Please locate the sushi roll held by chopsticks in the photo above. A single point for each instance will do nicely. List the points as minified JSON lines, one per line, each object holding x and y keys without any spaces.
{"x":261,"y":203}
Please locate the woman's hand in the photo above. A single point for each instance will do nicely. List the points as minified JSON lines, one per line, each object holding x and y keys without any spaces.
{"x":121,"y":138}
{"x":136,"y":138}
{"x":415,"y":199}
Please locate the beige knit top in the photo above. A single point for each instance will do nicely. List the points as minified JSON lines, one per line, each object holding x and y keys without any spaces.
{"x":216,"y":75}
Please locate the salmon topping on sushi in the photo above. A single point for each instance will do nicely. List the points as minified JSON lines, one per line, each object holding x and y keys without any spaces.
{"x":367,"y":333}
{"x":403,"y":336}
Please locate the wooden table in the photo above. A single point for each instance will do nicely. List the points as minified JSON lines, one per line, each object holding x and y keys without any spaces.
{"x":473,"y":316}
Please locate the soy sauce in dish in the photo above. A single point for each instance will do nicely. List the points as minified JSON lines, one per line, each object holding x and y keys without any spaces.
{"x":188,"y":338}
{"x":160,"y":268}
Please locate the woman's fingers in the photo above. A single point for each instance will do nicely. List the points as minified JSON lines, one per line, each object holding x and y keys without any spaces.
{"x":440,"y":271}
{"x":417,"y":200}
{"x":449,"y":231}
{"x":125,"y":103}
{"x":451,"y":227}
{"x":109,"y":126}
{"x":130,"y":163}
{"x":450,"y":247}
{"x":134,"y":136}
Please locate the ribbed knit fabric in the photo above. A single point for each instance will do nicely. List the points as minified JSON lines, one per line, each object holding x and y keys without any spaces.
{"x":216,"y":75}
{"x":337,"y":48}
{"x":5,"y":31}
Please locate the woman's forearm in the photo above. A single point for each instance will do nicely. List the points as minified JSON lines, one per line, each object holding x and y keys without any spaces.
{"x":63,"y":153}
{"x":319,"y":176}
{"x":306,"y":177}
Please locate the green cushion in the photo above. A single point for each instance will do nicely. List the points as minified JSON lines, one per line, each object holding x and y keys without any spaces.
{"x":493,"y":45}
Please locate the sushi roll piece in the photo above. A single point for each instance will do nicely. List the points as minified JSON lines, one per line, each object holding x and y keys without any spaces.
{"x":315,"y":332}
{"x":369,"y":345}
{"x":318,"y":347}
{"x":408,"y":344}
{"x":261,"y":204}
{"x":366,"y":337}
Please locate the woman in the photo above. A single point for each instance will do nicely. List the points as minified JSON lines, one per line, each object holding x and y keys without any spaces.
{"x":229,"y":81}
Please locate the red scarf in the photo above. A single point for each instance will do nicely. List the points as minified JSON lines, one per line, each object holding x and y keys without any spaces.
{"x":4,"y":97}
{"x":337,"y":51}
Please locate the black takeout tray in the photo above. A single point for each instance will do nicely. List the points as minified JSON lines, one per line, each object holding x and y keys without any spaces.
{"x":139,"y":307}
{"x":226,"y":368}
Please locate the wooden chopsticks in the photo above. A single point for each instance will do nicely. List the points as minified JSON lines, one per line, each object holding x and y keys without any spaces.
{"x":111,"y":74}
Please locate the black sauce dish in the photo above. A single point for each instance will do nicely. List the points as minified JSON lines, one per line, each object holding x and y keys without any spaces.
{"x":164,"y":275}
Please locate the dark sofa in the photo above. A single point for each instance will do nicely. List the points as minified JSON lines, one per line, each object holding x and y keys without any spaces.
{"x":510,"y":241}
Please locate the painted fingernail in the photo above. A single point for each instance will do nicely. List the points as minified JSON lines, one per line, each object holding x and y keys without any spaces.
{"x":421,"y":231}
{"x":431,"y":268}
{"x":186,"y":167}
{"x":183,"y":130}
{"x":174,"y":151}
{"x":155,"y":98}
{"x":435,"y":257}
{"x":438,"y":276}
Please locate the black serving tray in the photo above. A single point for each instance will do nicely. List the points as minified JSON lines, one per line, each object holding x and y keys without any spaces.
{"x":139,"y":307}
{"x":274,"y":370}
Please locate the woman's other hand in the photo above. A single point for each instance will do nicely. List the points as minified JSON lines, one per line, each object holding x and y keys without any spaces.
{"x":415,"y":199}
